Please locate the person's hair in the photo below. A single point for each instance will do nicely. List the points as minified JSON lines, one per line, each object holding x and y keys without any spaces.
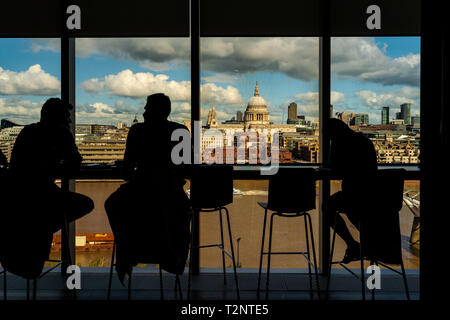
{"x":54,"y":110}
{"x":159,"y":104}
{"x":335,"y":127}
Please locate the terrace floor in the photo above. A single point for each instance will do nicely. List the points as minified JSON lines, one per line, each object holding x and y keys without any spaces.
{"x":285,"y":284}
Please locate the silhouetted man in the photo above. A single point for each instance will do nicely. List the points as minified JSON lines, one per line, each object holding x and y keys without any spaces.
{"x":352,"y":155}
{"x":43,"y":151}
{"x":149,"y":214}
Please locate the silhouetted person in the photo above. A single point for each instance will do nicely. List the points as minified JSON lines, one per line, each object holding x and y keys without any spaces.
{"x":3,"y":160}
{"x":3,"y":173}
{"x":352,"y":155}
{"x":149,"y":215}
{"x":42,"y":151}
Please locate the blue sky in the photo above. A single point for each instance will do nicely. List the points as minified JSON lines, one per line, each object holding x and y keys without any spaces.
{"x":114,"y":76}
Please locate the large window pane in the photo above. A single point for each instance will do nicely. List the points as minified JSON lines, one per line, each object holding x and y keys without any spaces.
{"x":376,"y":90}
{"x":30,"y":73}
{"x":260,"y":86}
{"x":113,"y":79}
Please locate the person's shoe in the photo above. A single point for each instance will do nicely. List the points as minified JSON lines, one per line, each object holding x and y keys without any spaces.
{"x":351,"y":254}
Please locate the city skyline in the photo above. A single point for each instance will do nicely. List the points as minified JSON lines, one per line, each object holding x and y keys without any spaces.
{"x":113,"y":76}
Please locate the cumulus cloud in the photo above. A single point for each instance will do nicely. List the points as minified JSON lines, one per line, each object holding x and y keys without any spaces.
{"x":362,"y":59}
{"x":156,"y":53}
{"x":19,"y":110}
{"x":393,"y":98}
{"x":221,"y":78}
{"x":33,"y":81}
{"x":141,"y":84}
{"x":358,"y":58}
{"x":296,"y":57}
{"x":308,"y":102}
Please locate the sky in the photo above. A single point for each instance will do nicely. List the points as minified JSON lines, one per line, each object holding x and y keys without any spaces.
{"x":114,"y":76}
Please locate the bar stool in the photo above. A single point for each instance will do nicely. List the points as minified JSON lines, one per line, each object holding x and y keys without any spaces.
{"x":211,"y":191}
{"x":42,"y":274}
{"x":292,"y":192}
{"x":111,"y":271}
{"x":381,"y":221}
{"x":3,"y":272}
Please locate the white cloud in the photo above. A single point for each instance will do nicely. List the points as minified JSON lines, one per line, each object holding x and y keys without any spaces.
{"x":141,"y":84}
{"x":19,"y":110}
{"x":308,"y":102}
{"x":362,"y":59}
{"x":352,"y":58}
{"x":296,"y":57}
{"x":391,"y":98}
{"x":221,"y":78}
{"x":33,"y":81}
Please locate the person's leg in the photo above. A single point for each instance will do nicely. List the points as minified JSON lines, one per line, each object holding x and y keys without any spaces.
{"x":333,"y":207}
{"x":73,"y":205}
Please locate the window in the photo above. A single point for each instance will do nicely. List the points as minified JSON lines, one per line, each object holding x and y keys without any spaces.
{"x":114,"y":77}
{"x":29,"y":75}
{"x":252,"y":88}
{"x":375,"y":89}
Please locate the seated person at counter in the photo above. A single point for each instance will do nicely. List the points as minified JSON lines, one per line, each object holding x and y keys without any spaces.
{"x":150,"y":213}
{"x":37,"y":206}
{"x":354,"y":156}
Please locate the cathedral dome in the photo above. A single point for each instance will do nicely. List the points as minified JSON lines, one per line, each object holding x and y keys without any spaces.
{"x":257,"y":102}
{"x":256,"y":113}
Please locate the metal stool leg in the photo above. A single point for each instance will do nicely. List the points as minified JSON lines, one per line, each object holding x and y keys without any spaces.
{"x":5,"y":291}
{"x":363,"y":286}
{"x":28,"y":289}
{"x":232,"y":253}
{"x":268,"y":255}
{"x":261,"y":254}
{"x":309,"y":258}
{"x":330,"y":264}
{"x":161,"y":289}
{"x":178,"y":290}
{"x":361,"y":241}
{"x":111,"y":270}
{"x":129,"y":284}
{"x":223,"y":248}
{"x":34,"y":289}
{"x":71,"y":258}
{"x":314,"y":255}
{"x":372,"y":291}
{"x":405,"y":282}
{"x":190,"y":258}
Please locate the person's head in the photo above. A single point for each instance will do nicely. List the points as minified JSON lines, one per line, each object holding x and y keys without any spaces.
{"x":56,"y":112}
{"x":337,"y":129}
{"x":158,"y":107}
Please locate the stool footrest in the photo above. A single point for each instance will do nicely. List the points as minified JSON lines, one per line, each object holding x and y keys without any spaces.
{"x":346,"y":268}
{"x":51,"y":269}
{"x":290,"y":252}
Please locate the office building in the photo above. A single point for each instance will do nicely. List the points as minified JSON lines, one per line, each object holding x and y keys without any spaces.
{"x":292,"y":111}
{"x":385,"y":115}
{"x":240,"y":116}
{"x":405,"y":110}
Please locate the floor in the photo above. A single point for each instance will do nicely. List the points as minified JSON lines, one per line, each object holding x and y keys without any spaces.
{"x":209,"y":285}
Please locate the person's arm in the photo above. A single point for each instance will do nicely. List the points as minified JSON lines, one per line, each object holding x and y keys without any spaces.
{"x":70,"y":161}
{"x":3,"y":160}
{"x":130,"y":156}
